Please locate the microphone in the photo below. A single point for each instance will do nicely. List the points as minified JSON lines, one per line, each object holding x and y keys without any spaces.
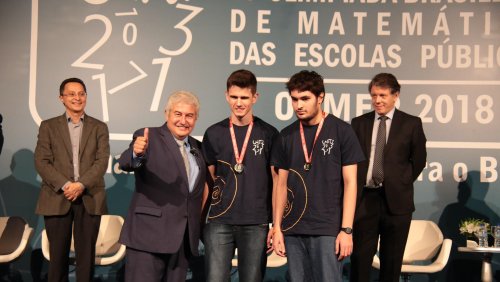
{"x":194,"y":152}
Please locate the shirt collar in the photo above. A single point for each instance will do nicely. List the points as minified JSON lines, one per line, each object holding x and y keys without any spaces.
{"x":68,"y":118}
{"x":390,"y":114}
{"x":185,"y":140}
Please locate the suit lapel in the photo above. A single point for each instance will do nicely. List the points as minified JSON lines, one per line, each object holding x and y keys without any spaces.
{"x":199,"y":160}
{"x":88,"y":124}
{"x":171,"y":145}
{"x":368,"y":131}
{"x":64,"y":133}
{"x":396,"y":126}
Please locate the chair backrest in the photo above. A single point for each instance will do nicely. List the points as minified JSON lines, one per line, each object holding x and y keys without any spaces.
{"x":14,"y":237}
{"x":424,"y":241}
{"x":109,"y":233}
{"x":11,"y":233}
{"x":273,"y":260}
{"x":108,"y":249}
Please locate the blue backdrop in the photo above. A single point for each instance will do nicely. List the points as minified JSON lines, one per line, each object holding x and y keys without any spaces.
{"x":132,"y":54}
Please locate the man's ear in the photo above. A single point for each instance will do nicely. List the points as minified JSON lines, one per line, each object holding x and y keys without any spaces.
{"x":255,"y":97}
{"x":321,"y":97}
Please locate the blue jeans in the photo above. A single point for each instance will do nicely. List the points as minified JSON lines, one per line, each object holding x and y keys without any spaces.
{"x":220,"y":243}
{"x":312,"y":258}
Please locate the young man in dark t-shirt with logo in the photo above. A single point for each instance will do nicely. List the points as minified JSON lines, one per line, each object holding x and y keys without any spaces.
{"x":317,"y":157}
{"x":237,"y":150}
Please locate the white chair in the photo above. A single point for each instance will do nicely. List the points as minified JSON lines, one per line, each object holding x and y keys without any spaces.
{"x":107,"y":250}
{"x":273,"y":260}
{"x":425,"y":241}
{"x":14,"y":237}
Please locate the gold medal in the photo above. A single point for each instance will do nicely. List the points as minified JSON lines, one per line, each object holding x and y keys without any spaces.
{"x":307,"y":166}
{"x":308,"y":157}
{"x":238,"y":168}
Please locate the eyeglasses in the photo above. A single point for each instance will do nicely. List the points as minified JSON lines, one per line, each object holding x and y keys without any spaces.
{"x":74,"y":95}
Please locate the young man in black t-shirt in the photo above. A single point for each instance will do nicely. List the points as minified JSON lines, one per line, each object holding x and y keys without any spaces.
{"x":317,"y":157}
{"x":237,"y":150}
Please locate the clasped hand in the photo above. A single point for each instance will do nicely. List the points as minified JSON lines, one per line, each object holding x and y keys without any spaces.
{"x":73,"y":190}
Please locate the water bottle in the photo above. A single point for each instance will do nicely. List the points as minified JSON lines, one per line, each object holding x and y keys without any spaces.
{"x":495,"y":230}
{"x":482,"y":236}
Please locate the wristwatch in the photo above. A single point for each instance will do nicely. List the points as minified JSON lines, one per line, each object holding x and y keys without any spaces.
{"x":347,"y":230}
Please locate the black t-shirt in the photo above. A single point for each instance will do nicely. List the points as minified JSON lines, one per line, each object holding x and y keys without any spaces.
{"x":240,"y":198}
{"x":315,"y":197}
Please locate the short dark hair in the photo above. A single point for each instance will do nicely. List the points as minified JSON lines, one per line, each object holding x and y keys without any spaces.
{"x":243,"y":79}
{"x":306,"y":81}
{"x":385,"y":80}
{"x":69,"y":80}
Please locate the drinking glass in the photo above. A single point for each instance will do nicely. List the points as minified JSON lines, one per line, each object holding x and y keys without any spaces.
{"x":482,"y":235}
{"x":495,"y":231}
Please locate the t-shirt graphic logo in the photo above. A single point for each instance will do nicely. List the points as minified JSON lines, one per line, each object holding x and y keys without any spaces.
{"x":327,"y":146}
{"x":258,"y":145}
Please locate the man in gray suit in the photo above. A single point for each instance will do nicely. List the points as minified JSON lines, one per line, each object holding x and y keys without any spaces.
{"x":162,"y":228}
{"x":71,"y":156}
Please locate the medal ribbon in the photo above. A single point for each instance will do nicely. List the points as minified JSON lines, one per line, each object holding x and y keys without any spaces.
{"x":308,"y":157}
{"x":239,"y":158}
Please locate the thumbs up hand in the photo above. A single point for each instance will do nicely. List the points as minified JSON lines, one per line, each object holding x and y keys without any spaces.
{"x":141,"y":143}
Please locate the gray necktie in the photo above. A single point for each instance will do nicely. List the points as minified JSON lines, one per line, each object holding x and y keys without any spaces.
{"x":184,"y":155}
{"x":378,"y":160}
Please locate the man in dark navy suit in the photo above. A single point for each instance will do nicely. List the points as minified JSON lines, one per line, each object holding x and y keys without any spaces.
{"x":385,"y":181}
{"x":162,"y":229}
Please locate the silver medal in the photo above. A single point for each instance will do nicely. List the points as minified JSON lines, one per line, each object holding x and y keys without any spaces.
{"x":307,"y":166}
{"x":238,"y":168}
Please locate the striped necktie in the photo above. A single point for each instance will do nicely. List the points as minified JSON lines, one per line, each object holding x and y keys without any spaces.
{"x":182,"y":148}
{"x":378,"y":160}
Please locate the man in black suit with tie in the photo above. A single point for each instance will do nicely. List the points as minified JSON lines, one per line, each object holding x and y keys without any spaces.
{"x":162,"y":229}
{"x":394,"y":144}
